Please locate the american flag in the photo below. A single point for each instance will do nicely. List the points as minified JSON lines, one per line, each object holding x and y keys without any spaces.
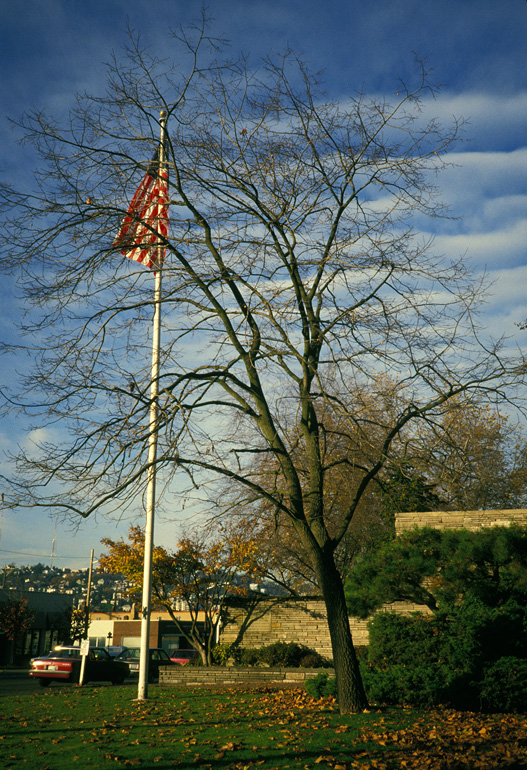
{"x":146,"y":222}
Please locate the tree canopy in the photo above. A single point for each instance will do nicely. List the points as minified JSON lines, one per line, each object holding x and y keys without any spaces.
{"x":441,"y":568}
{"x":478,"y":461}
{"x":15,"y":619}
{"x":203,"y":572}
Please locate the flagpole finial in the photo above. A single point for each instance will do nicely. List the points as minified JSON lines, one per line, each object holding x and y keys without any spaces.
{"x":163,"y":113}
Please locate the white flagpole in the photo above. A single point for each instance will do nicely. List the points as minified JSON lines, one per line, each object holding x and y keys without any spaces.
{"x":142,"y":690}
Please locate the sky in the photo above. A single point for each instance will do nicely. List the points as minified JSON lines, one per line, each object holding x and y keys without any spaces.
{"x":51,"y":50}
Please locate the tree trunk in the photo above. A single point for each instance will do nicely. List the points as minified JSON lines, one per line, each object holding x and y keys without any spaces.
{"x":351,"y":695}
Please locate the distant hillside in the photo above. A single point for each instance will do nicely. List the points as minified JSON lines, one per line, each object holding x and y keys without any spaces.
{"x":108,"y":592}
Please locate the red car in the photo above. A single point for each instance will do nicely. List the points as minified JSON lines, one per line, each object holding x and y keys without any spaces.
{"x":184,"y":656}
{"x":63,"y":664}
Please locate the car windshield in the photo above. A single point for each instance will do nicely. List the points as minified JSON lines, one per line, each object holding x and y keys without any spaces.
{"x":131,"y":653}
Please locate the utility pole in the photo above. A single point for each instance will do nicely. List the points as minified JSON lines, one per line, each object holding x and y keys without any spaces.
{"x":88,"y":593}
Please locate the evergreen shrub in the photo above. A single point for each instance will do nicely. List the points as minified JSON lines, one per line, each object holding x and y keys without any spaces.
{"x":249,"y":656}
{"x":419,"y":660}
{"x":285,"y":654}
{"x":312,"y":660}
{"x":469,"y":651}
{"x":504,"y":685}
{"x":321,"y":686}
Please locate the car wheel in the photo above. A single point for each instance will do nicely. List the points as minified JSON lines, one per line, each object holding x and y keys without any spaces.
{"x":44,"y":682}
{"x":118,"y":679}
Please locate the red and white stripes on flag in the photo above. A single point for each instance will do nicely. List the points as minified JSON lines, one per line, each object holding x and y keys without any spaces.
{"x":146,"y":223}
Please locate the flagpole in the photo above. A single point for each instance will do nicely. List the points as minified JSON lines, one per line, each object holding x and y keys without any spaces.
{"x":142,"y":690}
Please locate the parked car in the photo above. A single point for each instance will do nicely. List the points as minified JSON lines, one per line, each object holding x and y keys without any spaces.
{"x":63,"y":664}
{"x":184,"y":656}
{"x":158,"y":659}
{"x":114,"y":650}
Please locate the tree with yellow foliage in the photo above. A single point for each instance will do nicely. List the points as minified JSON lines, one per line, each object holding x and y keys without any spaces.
{"x":203,"y":570}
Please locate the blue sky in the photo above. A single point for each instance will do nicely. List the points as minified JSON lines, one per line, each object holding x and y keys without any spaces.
{"x":52,"y":49}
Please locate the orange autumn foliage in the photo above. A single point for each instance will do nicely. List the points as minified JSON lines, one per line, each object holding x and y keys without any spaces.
{"x":202,"y":571}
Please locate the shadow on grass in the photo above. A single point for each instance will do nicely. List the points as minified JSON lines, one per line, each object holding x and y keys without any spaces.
{"x":232,"y":730}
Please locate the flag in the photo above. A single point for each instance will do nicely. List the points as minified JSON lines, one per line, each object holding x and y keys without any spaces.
{"x":146,"y":222}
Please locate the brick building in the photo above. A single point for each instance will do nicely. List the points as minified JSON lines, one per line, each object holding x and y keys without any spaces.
{"x":121,"y":629}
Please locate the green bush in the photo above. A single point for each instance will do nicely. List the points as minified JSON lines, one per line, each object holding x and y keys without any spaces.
{"x":462,"y":659}
{"x":405,"y":639}
{"x":420,"y":660}
{"x":312,"y":660}
{"x":321,"y":686}
{"x":225,"y":653}
{"x":287,"y":654}
{"x":250,"y":656}
{"x":470,"y":651}
{"x":504,"y":685}
{"x":419,"y":685}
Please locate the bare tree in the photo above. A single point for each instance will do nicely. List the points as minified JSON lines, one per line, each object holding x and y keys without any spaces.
{"x":293,"y":277}
{"x":476,"y":456}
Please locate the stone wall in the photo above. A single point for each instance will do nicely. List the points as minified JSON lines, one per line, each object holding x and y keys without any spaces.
{"x":471,"y":520}
{"x":262,"y":621}
{"x":219,"y":676}
{"x":256,"y":623}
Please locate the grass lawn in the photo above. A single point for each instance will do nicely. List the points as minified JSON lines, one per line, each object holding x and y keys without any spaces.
{"x":104,"y":727}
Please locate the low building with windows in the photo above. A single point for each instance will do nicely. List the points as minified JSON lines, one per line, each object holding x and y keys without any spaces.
{"x":50,"y":624}
{"x":123,"y":629}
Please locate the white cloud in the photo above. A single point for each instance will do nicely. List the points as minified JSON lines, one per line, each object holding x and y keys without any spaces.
{"x":485,"y":174}
{"x":493,"y":120}
{"x":487,"y":196}
{"x":509,"y":287}
{"x":506,"y":304}
{"x":34,"y":439}
{"x":505,"y":247}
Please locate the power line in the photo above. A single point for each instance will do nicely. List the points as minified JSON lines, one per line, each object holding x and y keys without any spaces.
{"x":40,"y":555}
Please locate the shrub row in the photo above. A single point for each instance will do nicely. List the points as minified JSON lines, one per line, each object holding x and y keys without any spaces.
{"x":469,"y":661}
{"x":286,"y":654}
